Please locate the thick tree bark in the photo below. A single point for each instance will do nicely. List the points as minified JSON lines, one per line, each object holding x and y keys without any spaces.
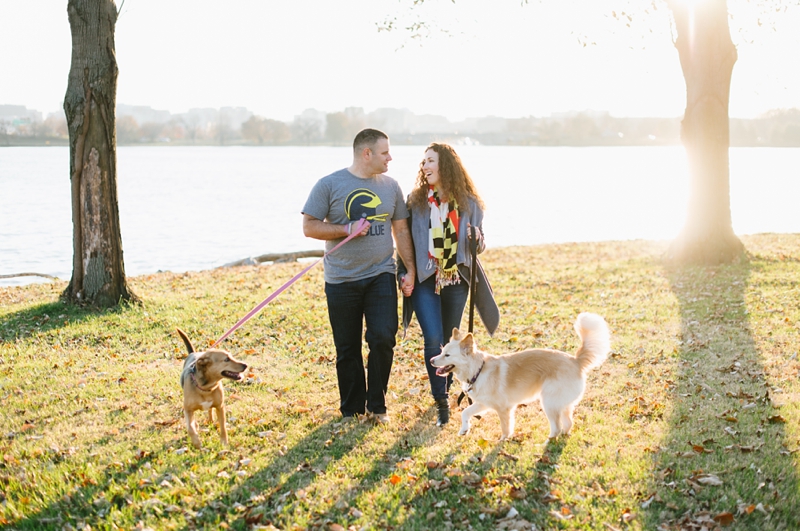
{"x":707,"y":56}
{"x":98,"y":273}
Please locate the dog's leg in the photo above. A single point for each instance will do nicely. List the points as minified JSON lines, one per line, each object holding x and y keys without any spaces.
{"x":475,"y":409}
{"x":566,"y":419}
{"x":211,"y":416}
{"x":554,"y":416}
{"x":191,"y":427}
{"x":506,"y":423}
{"x":223,"y":431}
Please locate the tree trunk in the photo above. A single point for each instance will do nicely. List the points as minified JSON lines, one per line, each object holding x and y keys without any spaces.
{"x":98,"y":273}
{"x":707,"y":56}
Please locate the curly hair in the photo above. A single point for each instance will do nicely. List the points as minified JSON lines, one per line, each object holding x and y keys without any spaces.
{"x":454,"y":181}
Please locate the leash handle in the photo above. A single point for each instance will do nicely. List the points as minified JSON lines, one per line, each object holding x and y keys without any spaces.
{"x":353,"y":233}
{"x":473,"y":248}
{"x":473,"y":251}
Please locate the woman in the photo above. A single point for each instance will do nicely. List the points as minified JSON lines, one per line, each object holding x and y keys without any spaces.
{"x":444,"y":206}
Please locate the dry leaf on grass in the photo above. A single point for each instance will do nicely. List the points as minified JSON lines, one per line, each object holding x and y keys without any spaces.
{"x":725,"y":518}
{"x":707,"y":479}
{"x":627,"y":516}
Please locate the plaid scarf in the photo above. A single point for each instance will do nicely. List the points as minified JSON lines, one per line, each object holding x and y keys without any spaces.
{"x":443,"y":239}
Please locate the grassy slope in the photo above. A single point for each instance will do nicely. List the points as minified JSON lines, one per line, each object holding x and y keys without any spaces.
{"x":694,"y":417}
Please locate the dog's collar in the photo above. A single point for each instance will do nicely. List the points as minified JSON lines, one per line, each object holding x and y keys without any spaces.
{"x":472,"y":380}
{"x":194,"y":380}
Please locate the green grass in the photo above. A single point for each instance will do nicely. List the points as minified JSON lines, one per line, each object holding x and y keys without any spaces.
{"x":693,"y":420}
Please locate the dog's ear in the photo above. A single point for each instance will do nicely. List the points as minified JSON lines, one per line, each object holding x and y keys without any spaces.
{"x":203,"y":361}
{"x":467,"y":343}
{"x":186,"y":341}
{"x":456,"y":334}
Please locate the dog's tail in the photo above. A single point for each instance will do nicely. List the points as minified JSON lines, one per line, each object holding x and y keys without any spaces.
{"x":186,"y":341}
{"x":595,"y":340}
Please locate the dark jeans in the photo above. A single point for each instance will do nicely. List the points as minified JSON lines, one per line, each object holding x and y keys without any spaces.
{"x":373,"y":300}
{"x":437,"y":316}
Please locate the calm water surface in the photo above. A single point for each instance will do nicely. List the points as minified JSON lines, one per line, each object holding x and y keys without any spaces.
{"x":192,"y":208}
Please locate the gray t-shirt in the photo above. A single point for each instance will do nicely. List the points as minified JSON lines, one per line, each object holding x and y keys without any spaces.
{"x":340,"y":198}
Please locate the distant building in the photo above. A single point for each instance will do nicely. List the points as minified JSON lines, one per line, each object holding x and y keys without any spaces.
{"x":14,"y":117}
{"x":430,"y":123}
{"x":391,"y":121}
{"x":235,"y":116}
{"x":143,"y":114}
{"x":19,"y":112}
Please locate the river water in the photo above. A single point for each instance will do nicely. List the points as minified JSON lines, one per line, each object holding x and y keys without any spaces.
{"x":193,"y":208}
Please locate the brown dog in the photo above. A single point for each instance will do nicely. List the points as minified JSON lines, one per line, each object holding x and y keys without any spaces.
{"x":201,"y":381}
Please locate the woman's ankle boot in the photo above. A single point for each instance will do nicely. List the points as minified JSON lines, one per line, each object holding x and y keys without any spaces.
{"x":443,"y":411}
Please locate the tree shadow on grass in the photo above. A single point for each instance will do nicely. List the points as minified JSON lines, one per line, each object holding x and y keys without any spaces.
{"x":90,"y":498}
{"x":472,"y":486}
{"x":286,"y":492}
{"x":480,"y":483}
{"x":276,"y":494}
{"x":723,"y":458}
{"x":47,"y":317}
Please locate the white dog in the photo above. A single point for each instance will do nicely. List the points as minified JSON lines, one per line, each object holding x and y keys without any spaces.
{"x":503,"y":382}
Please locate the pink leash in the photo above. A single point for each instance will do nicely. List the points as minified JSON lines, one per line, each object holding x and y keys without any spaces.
{"x":353,"y":233}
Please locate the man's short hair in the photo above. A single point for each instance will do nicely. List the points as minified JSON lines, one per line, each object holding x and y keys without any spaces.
{"x":367,"y":138}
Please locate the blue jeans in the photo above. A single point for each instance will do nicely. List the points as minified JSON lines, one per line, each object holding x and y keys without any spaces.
{"x":373,"y":300}
{"x":437,"y":316}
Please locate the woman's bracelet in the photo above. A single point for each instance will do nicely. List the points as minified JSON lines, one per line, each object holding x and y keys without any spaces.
{"x":349,"y":227}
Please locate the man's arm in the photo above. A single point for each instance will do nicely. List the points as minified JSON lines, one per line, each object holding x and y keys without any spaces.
{"x":322,"y":230}
{"x":405,"y":248}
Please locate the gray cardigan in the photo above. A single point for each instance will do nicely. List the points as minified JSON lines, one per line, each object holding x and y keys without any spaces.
{"x":484,"y":297}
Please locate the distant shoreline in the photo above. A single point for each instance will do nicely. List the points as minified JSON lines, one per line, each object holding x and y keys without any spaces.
{"x":399,"y":140}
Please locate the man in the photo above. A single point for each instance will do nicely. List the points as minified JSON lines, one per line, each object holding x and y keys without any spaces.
{"x":360,"y":276}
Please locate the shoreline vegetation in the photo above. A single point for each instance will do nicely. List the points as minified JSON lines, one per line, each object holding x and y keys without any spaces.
{"x":238,"y":126}
{"x":411,"y":140}
{"x":693,"y":422}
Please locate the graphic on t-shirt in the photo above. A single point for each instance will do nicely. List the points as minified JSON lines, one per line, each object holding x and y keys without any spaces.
{"x":363,"y":203}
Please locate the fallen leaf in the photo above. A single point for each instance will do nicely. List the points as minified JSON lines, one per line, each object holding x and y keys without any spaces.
{"x":708,"y":479}
{"x":646,"y":503}
{"x":405,"y":464}
{"x":518,"y":493}
{"x":559,"y":516}
{"x":627,"y":515}
{"x":725,"y":518}
{"x":746,"y":509}
{"x":550,"y":497}
{"x":508,"y":455}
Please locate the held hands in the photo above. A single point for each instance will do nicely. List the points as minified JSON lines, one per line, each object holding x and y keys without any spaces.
{"x":407,"y":284}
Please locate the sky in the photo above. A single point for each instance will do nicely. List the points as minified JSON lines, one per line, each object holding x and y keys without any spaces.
{"x":505,"y":58}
